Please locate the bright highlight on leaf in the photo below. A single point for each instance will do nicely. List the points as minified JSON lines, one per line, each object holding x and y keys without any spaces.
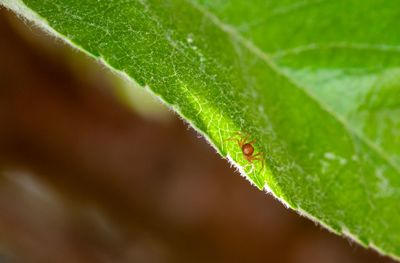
{"x":315,"y":83}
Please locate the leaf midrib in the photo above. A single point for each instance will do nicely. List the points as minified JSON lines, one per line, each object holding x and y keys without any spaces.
{"x":335,"y":45}
{"x":266,"y":58}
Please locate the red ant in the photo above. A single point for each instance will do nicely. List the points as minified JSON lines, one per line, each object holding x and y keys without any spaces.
{"x":248,"y":149}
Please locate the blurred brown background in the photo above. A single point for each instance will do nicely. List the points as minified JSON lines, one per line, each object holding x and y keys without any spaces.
{"x":86,"y":178}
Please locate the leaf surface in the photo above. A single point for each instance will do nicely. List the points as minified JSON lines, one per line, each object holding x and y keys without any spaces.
{"x":315,"y":83}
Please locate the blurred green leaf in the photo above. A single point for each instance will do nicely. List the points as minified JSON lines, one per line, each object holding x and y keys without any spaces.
{"x":316,"y":83}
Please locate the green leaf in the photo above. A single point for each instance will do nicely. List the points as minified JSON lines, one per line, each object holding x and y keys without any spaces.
{"x":316,"y":83}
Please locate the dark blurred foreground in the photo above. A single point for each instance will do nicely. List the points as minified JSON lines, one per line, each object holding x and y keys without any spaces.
{"x":84,"y":179}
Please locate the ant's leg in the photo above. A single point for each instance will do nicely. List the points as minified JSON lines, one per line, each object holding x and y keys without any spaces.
{"x":239,"y":133}
{"x":251,"y":142}
{"x":261,"y":160}
{"x":239,"y":142}
{"x":262,"y":166}
{"x":257,"y":157}
{"x":231,"y":139}
{"x":245,"y":137}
